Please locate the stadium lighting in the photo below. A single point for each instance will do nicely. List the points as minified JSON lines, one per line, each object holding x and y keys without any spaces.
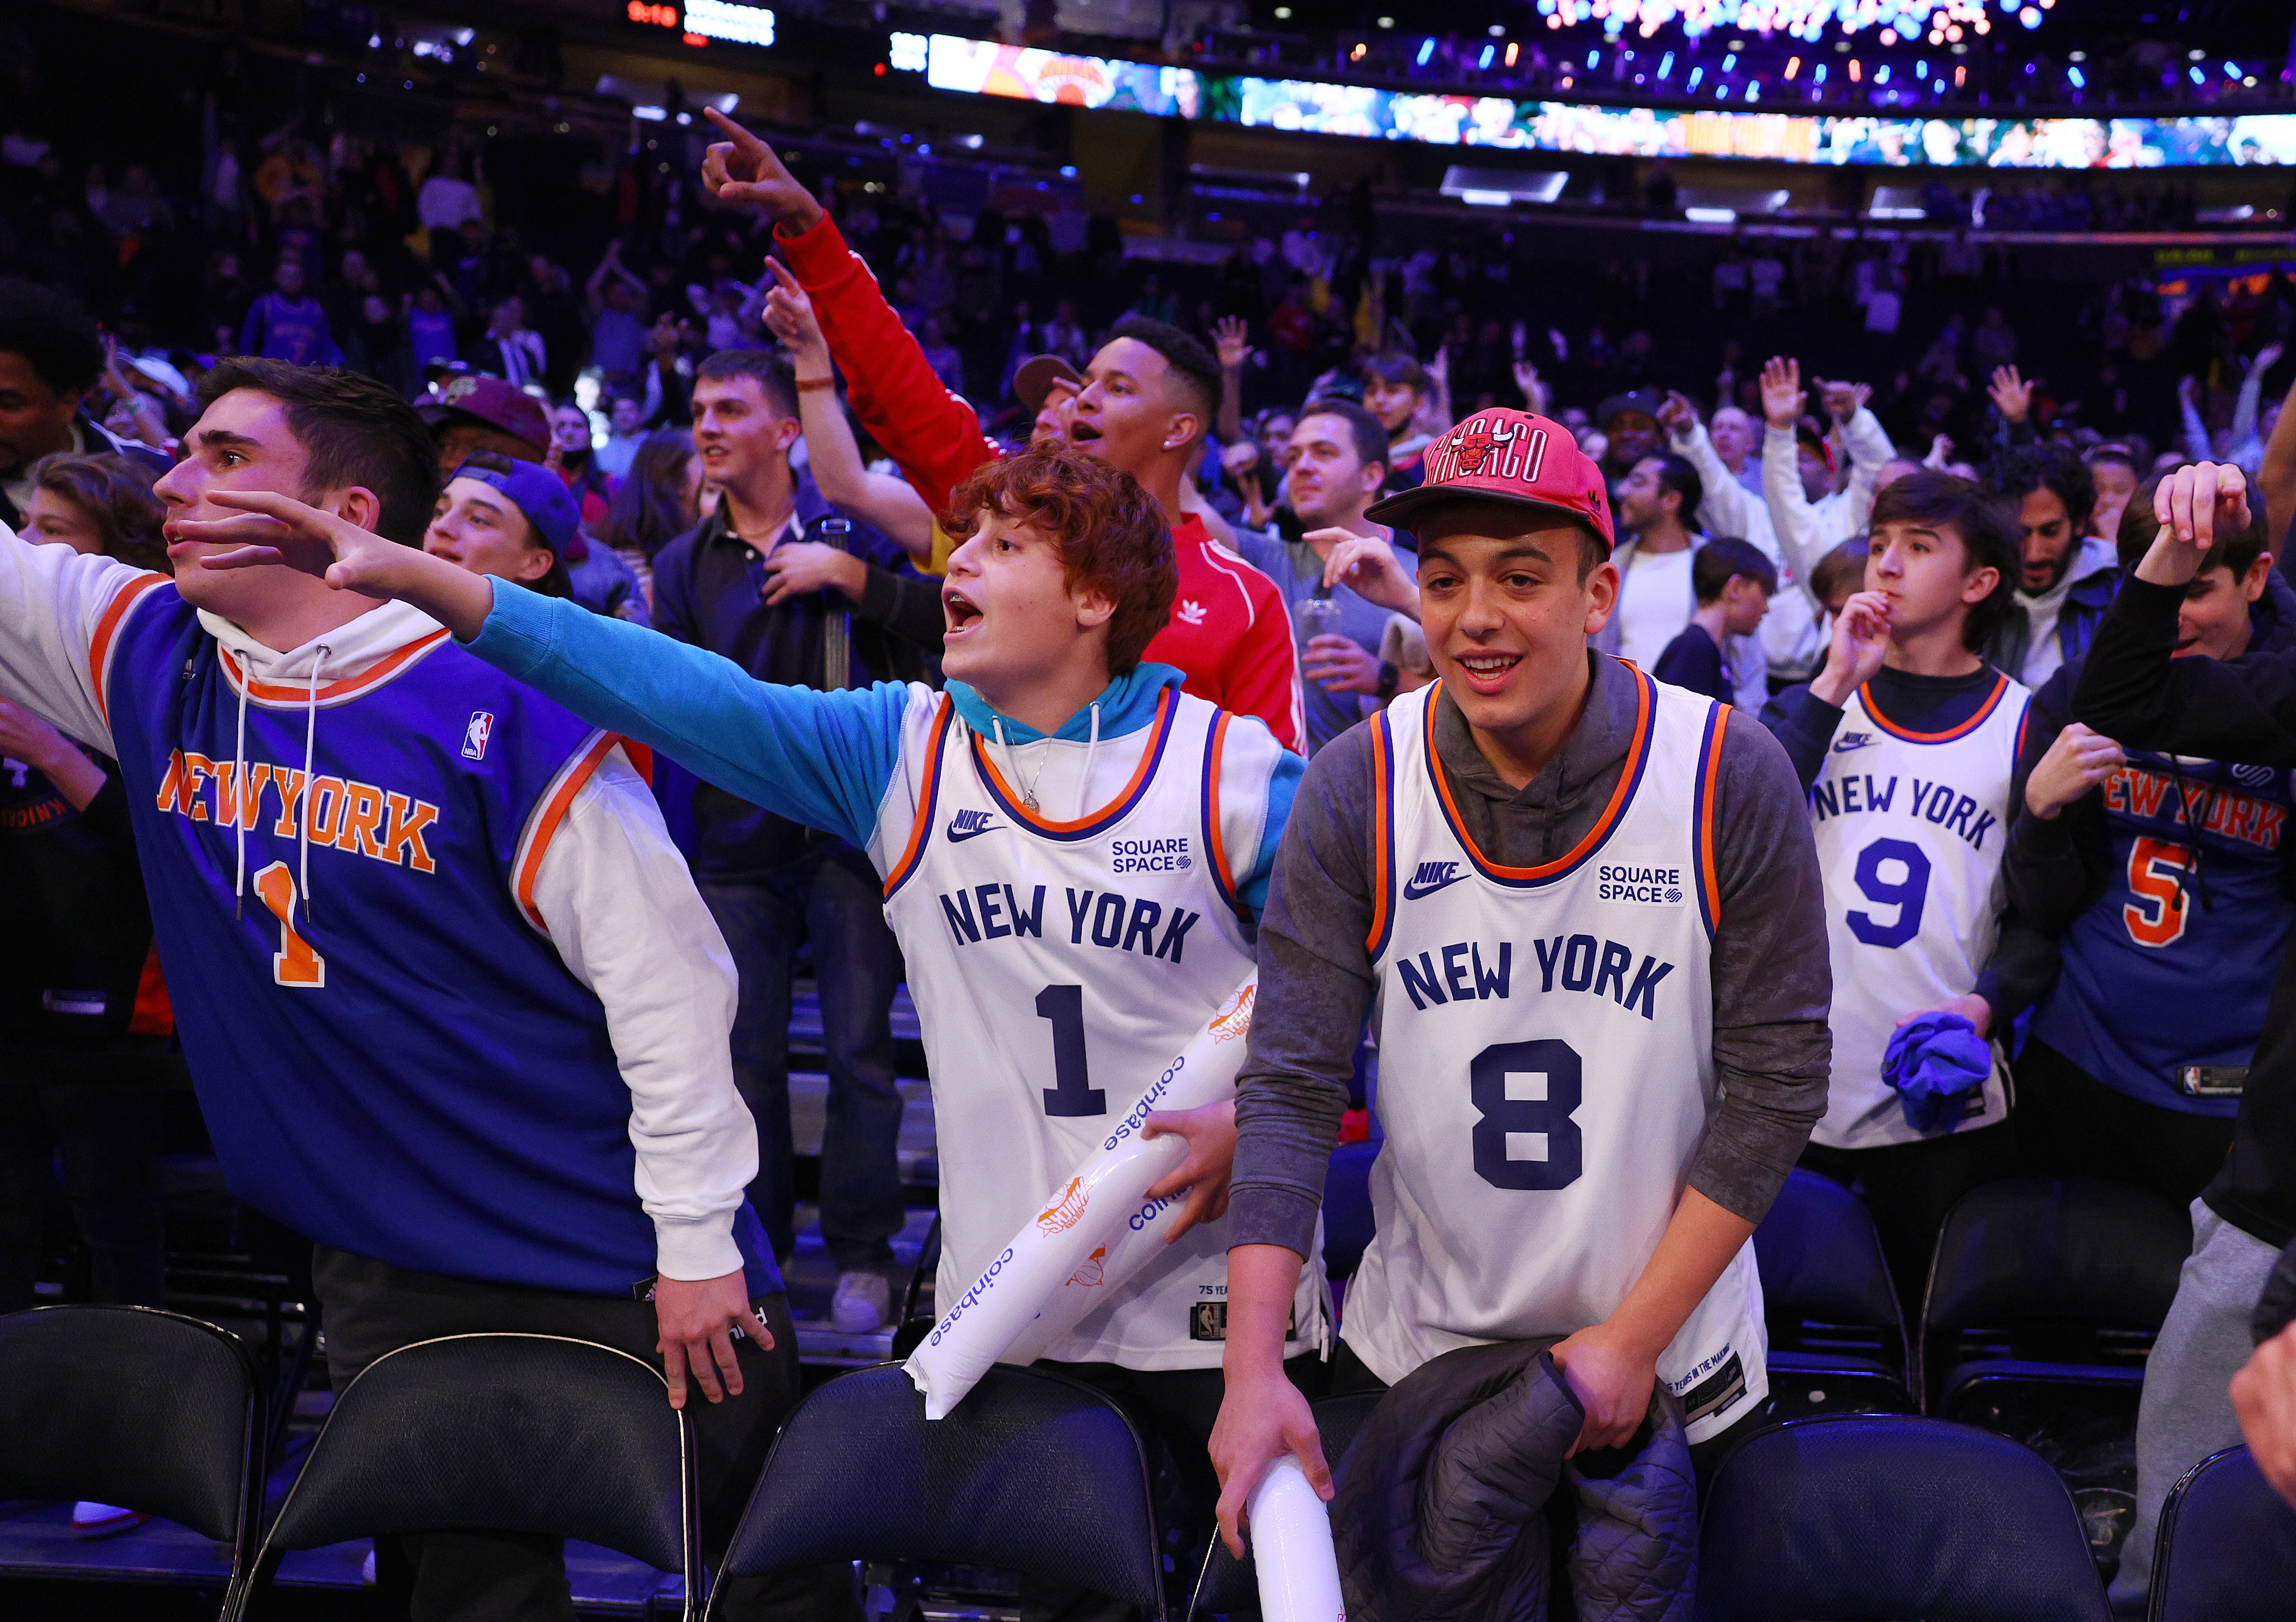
{"x":1592,"y":58}
{"x":1426,"y":50}
{"x":1665,"y":64}
{"x":2232,"y":69}
{"x":2198,"y":76}
{"x":1485,"y":61}
{"x":1511,"y":51}
{"x":1882,"y":74}
{"x":1817,"y":75}
{"x":1695,"y":75}
{"x":2074,"y":74}
{"x":1729,"y":62}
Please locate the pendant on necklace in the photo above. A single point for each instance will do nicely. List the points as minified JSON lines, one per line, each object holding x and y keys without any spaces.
{"x":1029,"y":801}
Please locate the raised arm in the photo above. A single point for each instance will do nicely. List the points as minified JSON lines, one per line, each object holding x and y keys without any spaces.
{"x":1234,"y":339}
{"x":1792,"y":519}
{"x":51,"y":602}
{"x":833,"y":452}
{"x":2132,"y":687}
{"x":824,"y":759}
{"x":932,"y":435}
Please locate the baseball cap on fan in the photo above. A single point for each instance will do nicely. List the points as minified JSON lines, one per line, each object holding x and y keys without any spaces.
{"x":474,"y":396}
{"x":1512,"y":457}
{"x":1037,"y":375}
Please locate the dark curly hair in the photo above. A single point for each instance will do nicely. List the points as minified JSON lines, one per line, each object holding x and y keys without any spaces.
{"x":1110,"y":532}
{"x":57,"y":339}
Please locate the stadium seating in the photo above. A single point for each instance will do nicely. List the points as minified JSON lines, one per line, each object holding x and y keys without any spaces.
{"x":127,"y":1406}
{"x":1033,"y":1472}
{"x":501,"y":1433}
{"x":1876,"y":1516}
{"x":1837,"y":1339}
{"x":2078,"y":1269}
{"x":2226,"y":1549}
{"x":1227,"y":1584}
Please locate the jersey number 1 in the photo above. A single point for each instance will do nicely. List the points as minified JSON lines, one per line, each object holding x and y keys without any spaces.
{"x":294,"y":964}
{"x":1071,"y":1092}
{"x":1525,"y":1092}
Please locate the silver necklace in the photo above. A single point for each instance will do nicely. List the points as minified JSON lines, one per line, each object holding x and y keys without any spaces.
{"x":1028,"y":789}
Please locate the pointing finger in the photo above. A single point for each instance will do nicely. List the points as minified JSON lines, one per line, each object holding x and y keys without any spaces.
{"x":743,"y":140}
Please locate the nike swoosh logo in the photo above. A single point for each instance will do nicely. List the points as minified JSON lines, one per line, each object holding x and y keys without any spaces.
{"x":1413,"y":890}
{"x":957,"y":836}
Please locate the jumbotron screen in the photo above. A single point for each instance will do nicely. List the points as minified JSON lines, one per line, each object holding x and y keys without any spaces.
{"x":985,"y":67}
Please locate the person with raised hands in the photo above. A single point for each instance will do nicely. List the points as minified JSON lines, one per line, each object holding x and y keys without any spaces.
{"x":1074,"y":853}
{"x":1144,"y":403}
{"x":2135,"y":689}
{"x":1808,"y":515}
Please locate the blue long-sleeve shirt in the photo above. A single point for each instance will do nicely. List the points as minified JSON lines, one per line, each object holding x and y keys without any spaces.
{"x":844,"y":761}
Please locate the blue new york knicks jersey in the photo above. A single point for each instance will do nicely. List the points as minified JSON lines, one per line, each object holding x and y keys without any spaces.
{"x":394,"y":1061}
{"x":2192,"y":918}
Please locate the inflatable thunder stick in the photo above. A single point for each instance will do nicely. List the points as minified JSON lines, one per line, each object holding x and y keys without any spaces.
{"x":1291,"y":1531}
{"x":1095,"y":1231}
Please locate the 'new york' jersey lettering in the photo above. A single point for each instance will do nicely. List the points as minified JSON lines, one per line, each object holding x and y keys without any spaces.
{"x":1058,"y":966}
{"x":1910,"y":828}
{"x":1546,"y":1066}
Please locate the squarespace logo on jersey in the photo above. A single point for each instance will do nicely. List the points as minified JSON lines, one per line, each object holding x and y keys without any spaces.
{"x":1641,"y":886}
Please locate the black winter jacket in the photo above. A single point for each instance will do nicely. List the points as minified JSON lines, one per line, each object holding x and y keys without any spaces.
{"x":1455,"y":1501}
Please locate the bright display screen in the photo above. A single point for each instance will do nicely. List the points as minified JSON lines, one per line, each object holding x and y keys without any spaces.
{"x":1317,"y":108}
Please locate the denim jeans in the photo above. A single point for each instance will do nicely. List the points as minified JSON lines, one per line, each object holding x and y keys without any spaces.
{"x":833,"y":898}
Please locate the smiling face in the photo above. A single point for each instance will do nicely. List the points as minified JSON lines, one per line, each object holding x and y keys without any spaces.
{"x":1010,"y":612}
{"x":1132,"y":411}
{"x":1507,"y":616}
{"x":1330,"y":484}
{"x":738,"y":431}
{"x":2047,"y":530}
{"x":478,"y":528}
{"x":1923,"y":569}
{"x":2212,"y":620}
{"x":1643,"y":501}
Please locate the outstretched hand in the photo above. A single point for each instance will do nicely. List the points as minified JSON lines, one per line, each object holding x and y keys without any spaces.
{"x":2012,"y":395}
{"x":275,"y":528}
{"x":1234,"y":337}
{"x":1782,"y":396}
{"x":743,"y":171}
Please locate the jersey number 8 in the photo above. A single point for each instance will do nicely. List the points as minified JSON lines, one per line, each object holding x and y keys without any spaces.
{"x":1525,"y":1093}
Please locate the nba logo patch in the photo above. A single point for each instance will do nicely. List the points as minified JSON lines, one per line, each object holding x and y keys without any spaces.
{"x":475,"y":735}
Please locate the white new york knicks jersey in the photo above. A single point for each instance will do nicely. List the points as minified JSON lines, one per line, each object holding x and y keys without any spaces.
{"x":1546,"y":1066}
{"x":1910,"y":829}
{"x":1057,"y":967}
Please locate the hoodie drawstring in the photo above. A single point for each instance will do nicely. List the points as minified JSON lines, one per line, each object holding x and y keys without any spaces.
{"x":239,"y":787}
{"x":310,"y":753}
{"x":1084,"y":782}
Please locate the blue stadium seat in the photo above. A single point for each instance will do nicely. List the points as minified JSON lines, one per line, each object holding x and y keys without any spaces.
{"x":501,"y":1433}
{"x":1837,"y":1339}
{"x":1227,"y":1584}
{"x":1874,"y":1516}
{"x":1033,"y":1472}
{"x":2226,"y":1551}
{"x":148,"y":1410}
{"x":2076,"y":1272}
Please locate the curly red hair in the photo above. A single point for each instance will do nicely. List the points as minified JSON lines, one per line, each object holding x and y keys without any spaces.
{"x":1112,"y":535}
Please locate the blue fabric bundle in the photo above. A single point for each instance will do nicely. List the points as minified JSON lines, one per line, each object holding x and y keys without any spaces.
{"x":1936,"y":1060}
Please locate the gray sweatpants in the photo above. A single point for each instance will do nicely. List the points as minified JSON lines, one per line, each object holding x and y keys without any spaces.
{"x":2187,"y":1412}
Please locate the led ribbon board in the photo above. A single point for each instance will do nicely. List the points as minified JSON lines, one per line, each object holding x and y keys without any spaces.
{"x":1315,"y":107}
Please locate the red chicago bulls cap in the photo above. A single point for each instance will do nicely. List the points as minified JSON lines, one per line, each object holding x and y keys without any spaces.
{"x":1511,"y":456}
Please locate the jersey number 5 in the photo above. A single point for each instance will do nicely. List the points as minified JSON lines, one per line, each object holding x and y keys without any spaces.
{"x":1525,"y":1092}
{"x":2156,"y":870}
{"x":294,"y":964}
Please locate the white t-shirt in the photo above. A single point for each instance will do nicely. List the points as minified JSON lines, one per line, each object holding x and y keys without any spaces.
{"x":1655,"y":602}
